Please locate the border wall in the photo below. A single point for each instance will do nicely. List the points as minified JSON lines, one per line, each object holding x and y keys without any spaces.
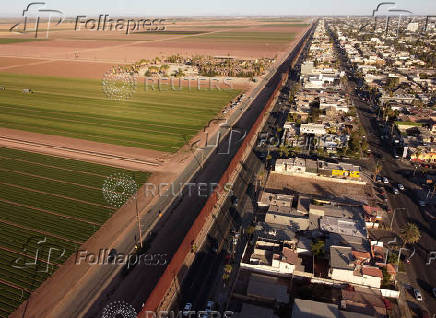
{"x":170,"y":281}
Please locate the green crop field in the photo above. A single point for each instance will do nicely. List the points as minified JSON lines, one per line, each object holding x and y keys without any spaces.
{"x":248,"y":36}
{"x":285,"y":25}
{"x":152,"y":119}
{"x":50,"y":205}
{"x":15,"y":40}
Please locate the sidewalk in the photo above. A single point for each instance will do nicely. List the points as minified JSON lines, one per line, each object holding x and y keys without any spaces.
{"x":223,"y":291}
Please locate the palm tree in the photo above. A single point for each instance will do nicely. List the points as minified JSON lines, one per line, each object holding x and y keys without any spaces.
{"x":284,"y":151}
{"x":410,"y":234}
{"x":378,"y":168}
{"x":179,"y":73}
{"x":318,"y":248}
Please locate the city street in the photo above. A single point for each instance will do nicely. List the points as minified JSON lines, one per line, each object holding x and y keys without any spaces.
{"x":420,"y":275}
{"x":172,"y":227}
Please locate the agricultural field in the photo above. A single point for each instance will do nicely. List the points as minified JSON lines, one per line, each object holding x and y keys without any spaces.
{"x":247,"y":36}
{"x":151,"y":119}
{"x":85,"y":54}
{"x":46,"y":203}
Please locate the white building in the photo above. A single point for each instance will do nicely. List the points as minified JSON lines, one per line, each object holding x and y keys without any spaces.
{"x":316,"y":129}
{"x":345,"y":267}
{"x":292,"y":165}
{"x":412,"y":27}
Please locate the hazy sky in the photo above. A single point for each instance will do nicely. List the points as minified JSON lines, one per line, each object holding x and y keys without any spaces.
{"x":144,"y":8}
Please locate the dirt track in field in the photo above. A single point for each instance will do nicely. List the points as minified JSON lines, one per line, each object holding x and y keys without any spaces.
{"x":165,"y":167}
{"x":90,"y":54}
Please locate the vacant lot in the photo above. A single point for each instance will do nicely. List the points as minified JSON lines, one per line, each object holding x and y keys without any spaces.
{"x":45,"y":202}
{"x":159,"y":120}
{"x":347,"y":192}
{"x":67,"y":49}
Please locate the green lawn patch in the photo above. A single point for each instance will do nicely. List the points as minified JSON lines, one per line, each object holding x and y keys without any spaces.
{"x":46,"y":203}
{"x":152,"y":119}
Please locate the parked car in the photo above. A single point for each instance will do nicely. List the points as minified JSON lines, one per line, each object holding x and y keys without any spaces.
{"x":396,"y":191}
{"x":400,"y":186}
{"x":234,"y":200}
{"x":210,"y":306}
{"x":385,"y":180}
{"x":417,"y":294}
{"x":378,"y":178}
{"x":425,"y":314}
{"x":112,"y":254}
{"x":421,"y":203}
{"x":187,"y":309}
{"x":434,"y":292}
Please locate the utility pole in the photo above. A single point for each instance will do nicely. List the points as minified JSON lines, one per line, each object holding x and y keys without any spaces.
{"x":137,"y":214}
{"x":393,"y":216}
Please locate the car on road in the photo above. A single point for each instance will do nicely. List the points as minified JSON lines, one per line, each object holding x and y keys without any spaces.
{"x":400,"y":186}
{"x":385,"y":180}
{"x":210,"y":306}
{"x":187,"y":309}
{"x":434,"y":292}
{"x":234,"y":200}
{"x":425,"y":314}
{"x":112,"y":254}
{"x":417,"y":294}
{"x":396,"y":191}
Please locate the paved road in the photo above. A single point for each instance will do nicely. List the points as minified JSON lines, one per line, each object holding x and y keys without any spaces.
{"x":171,"y":229}
{"x":420,"y":275}
{"x":204,"y":280}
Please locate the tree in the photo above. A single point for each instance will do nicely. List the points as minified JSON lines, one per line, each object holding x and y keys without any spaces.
{"x":318,"y":248}
{"x":378,"y":168}
{"x":284,"y":151}
{"x":410,"y":234}
{"x":179,"y":73}
{"x":250,"y":230}
{"x":164,"y":69}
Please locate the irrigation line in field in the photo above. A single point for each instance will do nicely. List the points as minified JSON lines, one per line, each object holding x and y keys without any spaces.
{"x":149,"y":220}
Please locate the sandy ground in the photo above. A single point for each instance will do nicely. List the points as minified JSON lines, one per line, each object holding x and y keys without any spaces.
{"x":164,"y":167}
{"x":323,"y":189}
{"x":87,"y":54}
